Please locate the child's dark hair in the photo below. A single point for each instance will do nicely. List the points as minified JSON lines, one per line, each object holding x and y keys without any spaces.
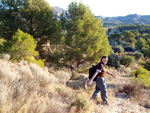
{"x":103,"y":57}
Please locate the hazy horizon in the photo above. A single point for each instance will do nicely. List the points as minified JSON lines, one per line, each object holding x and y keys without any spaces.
{"x":107,"y":16}
{"x":109,"y":8}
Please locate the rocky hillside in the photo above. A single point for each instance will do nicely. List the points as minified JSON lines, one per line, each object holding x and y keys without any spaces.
{"x":58,"y":11}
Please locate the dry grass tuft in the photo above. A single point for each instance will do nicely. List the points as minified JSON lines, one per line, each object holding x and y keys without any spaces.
{"x":64,"y":92}
{"x":145,"y":99}
{"x":5,"y":56}
{"x":79,"y":76}
{"x":132,"y":90}
{"x":82,"y":104}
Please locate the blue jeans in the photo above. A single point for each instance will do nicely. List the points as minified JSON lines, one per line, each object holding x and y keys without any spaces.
{"x":100,"y":87}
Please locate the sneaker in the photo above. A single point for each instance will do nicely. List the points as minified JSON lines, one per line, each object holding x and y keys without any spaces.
{"x":105,"y":103}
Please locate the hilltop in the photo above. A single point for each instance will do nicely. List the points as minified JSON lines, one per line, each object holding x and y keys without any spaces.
{"x":29,"y":88}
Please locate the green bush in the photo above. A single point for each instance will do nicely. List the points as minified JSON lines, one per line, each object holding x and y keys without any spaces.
{"x":113,"y":61}
{"x":2,"y":41}
{"x":22,"y":47}
{"x":145,"y":52}
{"x":138,"y":55}
{"x":127,"y":60}
{"x":140,"y":70}
{"x":39,"y":62}
{"x":141,"y":43}
{"x":118,"y":48}
{"x":143,"y":76}
{"x":146,"y":65}
{"x":145,"y":80}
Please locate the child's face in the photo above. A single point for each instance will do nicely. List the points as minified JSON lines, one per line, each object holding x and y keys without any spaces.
{"x":105,"y":60}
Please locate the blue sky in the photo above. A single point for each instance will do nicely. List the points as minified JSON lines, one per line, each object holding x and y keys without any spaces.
{"x":109,"y":8}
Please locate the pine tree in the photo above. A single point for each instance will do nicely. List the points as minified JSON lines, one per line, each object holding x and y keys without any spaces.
{"x":9,"y":17}
{"x":115,"y":38}
{"x":85,"y":38}
{"x":141,"y":43}
{"x":35,"y":17}
{"x":129,"y":38}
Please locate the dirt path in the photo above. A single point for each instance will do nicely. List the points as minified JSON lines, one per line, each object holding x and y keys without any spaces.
{"x":120,"y":105}
{"x":119,"y":102}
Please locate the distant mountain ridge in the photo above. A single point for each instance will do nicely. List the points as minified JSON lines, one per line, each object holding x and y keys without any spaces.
{"x":129,"y":19}
{"x":113,"y":21}
{"x":58,"y":11}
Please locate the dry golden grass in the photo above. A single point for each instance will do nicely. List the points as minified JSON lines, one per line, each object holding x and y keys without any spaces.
{"x":66,"y":93}
{"x":132,"y":90}
{"x":30,"y":89}
{"x":76,"y":84}
{"x":27,"y":88}
{"x":5,"y":56}
{"x":62,"y":76}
